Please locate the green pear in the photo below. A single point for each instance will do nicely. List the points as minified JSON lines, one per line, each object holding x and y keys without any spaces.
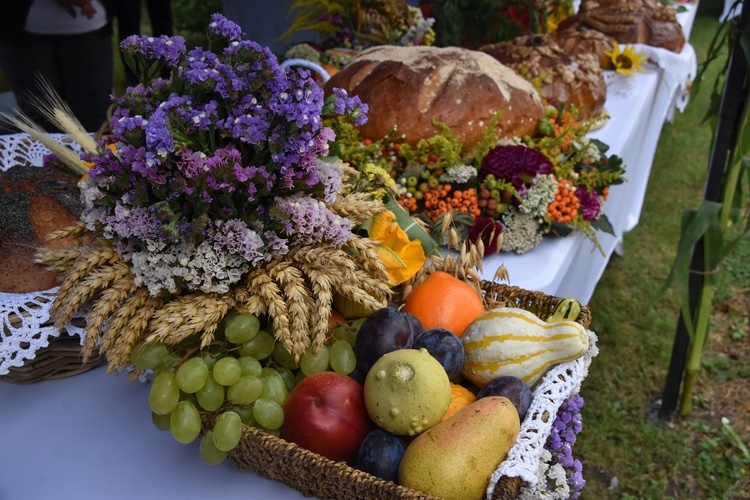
{"x":455,"y":458}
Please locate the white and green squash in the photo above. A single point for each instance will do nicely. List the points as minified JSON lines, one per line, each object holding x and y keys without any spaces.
{"x":512,"y":341}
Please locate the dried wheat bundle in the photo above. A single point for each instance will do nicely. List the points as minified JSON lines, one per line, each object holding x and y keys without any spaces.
{"x":295,"y":291}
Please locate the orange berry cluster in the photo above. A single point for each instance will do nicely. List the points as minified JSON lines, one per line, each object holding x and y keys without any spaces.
{"x":566,"y":204}
{"x":559,"y":126}
{"x":443,"y":199}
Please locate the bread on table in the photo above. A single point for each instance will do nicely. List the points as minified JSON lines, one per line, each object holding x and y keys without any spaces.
{"x":630,"y":21}
{"x":584,"y":41}
{"x":34,"y":202}
{"x":564,"y":77}
{"x":409,"y":87}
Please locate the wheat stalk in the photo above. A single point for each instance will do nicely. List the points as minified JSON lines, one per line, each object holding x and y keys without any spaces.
{"x":128,"y":327}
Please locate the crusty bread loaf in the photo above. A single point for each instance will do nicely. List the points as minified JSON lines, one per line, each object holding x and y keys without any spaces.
{"x":568,"y":79}
{"x":584,"y":41}
{"x":630,"y":21}
{"x":411,"y":86}
{"x":33,"y":202}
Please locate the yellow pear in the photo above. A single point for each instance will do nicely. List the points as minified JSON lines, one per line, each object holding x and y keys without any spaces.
{"x":455,"y":458}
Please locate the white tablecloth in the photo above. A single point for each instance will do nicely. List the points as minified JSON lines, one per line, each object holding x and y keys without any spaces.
{"x":91,"y":437}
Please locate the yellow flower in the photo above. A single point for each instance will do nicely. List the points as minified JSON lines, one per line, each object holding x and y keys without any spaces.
{"x":554,"y":18}
{"x":626,"y":62}
{"x":401,"y":256}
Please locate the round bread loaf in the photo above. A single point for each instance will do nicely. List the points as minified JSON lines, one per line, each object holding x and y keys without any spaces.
{"x":568,"y":79}
{"x":630,"y":21}
{"x":409,"y":87}
{"x":34,"y":202}
{"x":584,"y":41}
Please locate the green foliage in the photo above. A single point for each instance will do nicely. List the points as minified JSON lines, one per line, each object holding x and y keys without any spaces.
{"x":191,"y":18}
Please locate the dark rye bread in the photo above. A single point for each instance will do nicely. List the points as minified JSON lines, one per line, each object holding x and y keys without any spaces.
{"x":564,"y":78}
{"x":411,"y":86}
{"x":33,"y":202}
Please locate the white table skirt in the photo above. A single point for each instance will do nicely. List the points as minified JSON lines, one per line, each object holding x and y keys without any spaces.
{"x":91,"y":437}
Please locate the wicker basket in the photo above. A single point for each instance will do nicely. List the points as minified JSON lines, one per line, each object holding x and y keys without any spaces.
{"x":61,"y":358}
{"x":314,"y":475}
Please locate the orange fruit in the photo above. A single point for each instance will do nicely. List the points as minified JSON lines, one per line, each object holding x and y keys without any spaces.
{"x":444,"y":301}
{"x":461,"y":397}
{"x":336,"y":318}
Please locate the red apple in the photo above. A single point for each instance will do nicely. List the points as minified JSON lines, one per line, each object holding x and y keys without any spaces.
{"x":326,"y":414}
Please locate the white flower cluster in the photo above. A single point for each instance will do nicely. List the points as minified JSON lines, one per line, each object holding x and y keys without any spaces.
{"x":459,"y":174}
{"x":552,"y":481}
{"x":520,"y":231}
{"x":539,"y":195}
{"x":168,"y":268}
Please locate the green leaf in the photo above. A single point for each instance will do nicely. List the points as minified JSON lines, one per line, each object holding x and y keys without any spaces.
{"x":410,"y":226}
{"x":561,"y":229}
{"x":695,"y":223}
{"x":603,"y":224}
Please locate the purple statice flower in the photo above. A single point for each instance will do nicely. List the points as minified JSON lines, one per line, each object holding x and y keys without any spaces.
{"x":309,"y":221}
{"x":217,"y":169}
{"x":352,"y":107}
{"x":166,"y":49}
{"x":129,"y":123}
{"x":488,"y":230}
{"x":567,"y":425}
{"x":235,"y":237}
{"x":516,"y":164}
{"x":200,"y":117}
{"x":328,"y":175}
{"x":590,"y":206}
{"x":222,"y":27}
{"x":192,"y":164}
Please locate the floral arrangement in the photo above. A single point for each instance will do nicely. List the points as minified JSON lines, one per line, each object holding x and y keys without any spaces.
{"x":361,"y":24}
{"x":213,"y":194}
{"x":520,"y":188}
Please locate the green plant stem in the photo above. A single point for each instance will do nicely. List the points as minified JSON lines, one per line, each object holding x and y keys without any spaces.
{"x":700,"y":335}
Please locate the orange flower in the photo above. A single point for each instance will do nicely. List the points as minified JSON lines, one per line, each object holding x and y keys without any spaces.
{"x":401,"y":256}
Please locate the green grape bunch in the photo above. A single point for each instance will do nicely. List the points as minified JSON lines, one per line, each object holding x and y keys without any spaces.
{"x":242,"y":378}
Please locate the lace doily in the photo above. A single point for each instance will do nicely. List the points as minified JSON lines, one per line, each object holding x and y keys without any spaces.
{"x":27,"y":327}
{"x":20,"y":149}
{"x":560,"y":383}
{"x":25,"y":316}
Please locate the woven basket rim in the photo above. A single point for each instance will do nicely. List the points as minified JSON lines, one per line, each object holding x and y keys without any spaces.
{"x":62,"y":358}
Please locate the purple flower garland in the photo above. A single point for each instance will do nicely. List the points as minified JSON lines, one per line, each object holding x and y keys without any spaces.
{"x":562,"y":438}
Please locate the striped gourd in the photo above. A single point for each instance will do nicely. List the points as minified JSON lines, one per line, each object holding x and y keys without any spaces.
{"x":513,"y":341}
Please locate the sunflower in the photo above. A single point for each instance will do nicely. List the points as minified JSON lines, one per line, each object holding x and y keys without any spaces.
{"x":626,"y":62}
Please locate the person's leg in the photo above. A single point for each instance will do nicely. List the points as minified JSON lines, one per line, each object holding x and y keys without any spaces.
{"x":86,"y":62}
{"x":24,"y":64}
{"x":160,"y":15}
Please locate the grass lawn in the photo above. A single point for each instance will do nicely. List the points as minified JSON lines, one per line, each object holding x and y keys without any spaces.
{"x":624,"y":453}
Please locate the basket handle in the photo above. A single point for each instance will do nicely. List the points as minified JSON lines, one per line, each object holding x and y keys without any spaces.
{"x":305,"y":63}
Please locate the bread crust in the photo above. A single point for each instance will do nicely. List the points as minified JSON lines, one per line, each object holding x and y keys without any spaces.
{"x":409,"y":87}
{"x":570,"y":79}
